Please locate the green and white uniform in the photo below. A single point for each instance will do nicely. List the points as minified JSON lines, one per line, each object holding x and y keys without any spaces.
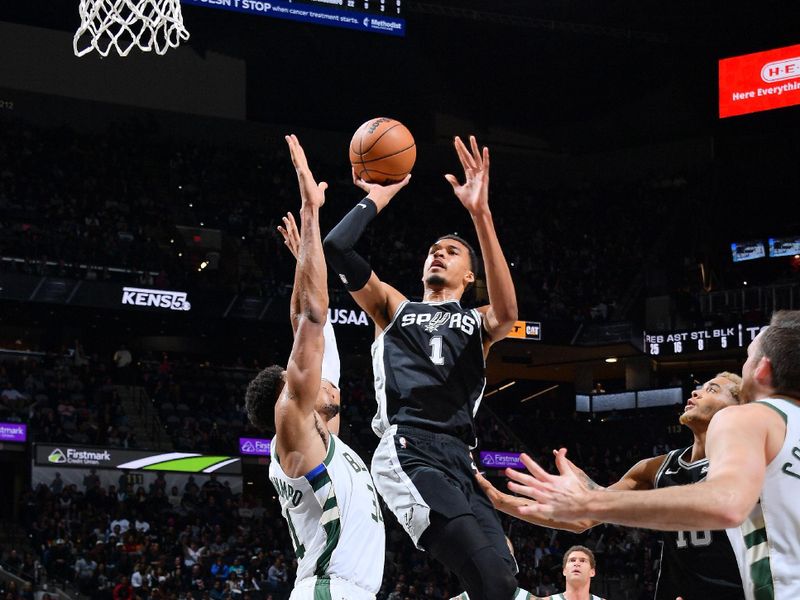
{"x":769,"y":557}
{"x":335,"y":524}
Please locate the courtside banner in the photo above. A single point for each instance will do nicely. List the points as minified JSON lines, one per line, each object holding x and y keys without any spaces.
{"x":501,"y":460}
{"x":254,"y":446}
{"x":526,"y":330}
{"x":760,"y":81}
{"x":13,"y":432}
{"x":66,"y":455}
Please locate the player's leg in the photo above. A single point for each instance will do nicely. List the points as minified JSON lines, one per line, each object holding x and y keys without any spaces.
{"x":414,"y":473}
{"x":461,"y":546}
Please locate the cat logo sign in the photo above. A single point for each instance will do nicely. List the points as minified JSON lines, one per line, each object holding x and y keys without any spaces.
{"x":526,"y":330}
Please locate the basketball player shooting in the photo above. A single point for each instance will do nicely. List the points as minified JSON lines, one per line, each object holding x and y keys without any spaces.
{"x":694,"y":564}
{"x":429,"y":369}
{"x":325,"y":490}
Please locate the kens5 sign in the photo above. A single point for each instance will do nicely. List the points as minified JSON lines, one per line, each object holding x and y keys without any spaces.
{"x":760,"y":81}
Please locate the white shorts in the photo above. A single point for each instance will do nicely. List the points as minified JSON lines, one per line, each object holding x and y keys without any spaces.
{"x":323,"y":588}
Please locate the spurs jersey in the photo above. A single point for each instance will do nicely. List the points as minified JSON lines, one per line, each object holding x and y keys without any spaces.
{"x":695,"y":565}
{"x":769,"y":557}
{"x":429,"y":369}
{"x":334,"y":519}
{"x":562,"y":596}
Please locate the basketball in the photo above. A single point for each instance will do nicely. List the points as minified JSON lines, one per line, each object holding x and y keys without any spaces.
{"x":382,"y":151}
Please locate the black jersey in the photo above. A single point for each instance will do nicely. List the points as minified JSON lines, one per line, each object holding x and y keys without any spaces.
{"x":429,"y":369}
{"x":695,"y":565}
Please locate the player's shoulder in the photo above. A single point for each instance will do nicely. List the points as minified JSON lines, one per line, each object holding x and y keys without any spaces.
{"x":746,"y":415}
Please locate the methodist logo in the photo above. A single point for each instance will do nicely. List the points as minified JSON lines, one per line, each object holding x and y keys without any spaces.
{"x":155,"y":298}
{"x":57,"y":457}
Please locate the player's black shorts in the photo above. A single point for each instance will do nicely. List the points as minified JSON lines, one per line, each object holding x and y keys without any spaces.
{"x":418,"y":472}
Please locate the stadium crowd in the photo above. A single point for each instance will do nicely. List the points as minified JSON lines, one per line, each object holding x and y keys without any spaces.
{"x":115,"y":203}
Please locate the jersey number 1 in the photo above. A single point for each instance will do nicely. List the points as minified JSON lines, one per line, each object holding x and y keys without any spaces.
{"x":436,"y":350}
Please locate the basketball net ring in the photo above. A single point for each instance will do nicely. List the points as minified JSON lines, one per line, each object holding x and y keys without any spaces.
{"x":121,"y":25}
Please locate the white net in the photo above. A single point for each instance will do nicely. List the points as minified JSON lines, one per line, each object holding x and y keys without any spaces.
{"x":121,"y":25}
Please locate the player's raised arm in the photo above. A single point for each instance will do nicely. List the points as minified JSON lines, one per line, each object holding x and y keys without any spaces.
{"x":501,"y":313}
{"x":377,"y":298}
{"x":308,"y":310}
{"x":639,"y":477}
{"x":735,"y":446}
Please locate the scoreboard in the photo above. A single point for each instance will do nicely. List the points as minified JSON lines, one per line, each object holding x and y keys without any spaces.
{"x":376,"y":16}
{"x":699,"y":340}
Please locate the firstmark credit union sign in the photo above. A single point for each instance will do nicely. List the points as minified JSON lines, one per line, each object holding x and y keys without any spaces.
{"x":74,"y":456}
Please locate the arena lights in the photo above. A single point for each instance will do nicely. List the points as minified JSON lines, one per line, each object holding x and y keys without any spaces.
{"x":611,"y":359}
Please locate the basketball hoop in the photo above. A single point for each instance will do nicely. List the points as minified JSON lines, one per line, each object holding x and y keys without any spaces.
{"x":125,"y":24}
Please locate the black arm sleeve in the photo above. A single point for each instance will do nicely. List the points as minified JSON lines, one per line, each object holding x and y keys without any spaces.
{"x":351,"y":267}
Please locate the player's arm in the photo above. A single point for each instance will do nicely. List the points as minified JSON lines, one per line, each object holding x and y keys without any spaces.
{"x":331,"y":364}
{"x":501,"y":313}
{"x":294,"y":411}
{"x":378,"y":299}
{"x":638,"y":477}
{"x":735,"y":446}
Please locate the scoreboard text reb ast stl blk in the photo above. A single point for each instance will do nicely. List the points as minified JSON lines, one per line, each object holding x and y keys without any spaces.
{"x":700,"y":340}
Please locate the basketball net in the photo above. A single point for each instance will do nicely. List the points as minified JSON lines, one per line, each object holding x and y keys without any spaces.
{"x":121,"y":25}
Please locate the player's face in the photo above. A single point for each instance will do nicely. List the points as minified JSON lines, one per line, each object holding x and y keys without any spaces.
{"x":578,"y":569}
{"x":712,"y":397}
{"x":327,"y":401}
{"x":448,"y":263}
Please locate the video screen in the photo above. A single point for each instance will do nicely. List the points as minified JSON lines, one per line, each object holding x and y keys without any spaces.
{"x":747,"y":251}
{"x":785,"y":246}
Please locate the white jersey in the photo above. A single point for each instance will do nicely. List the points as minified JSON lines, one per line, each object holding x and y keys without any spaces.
{"x":769,"y":555}
{"x":334,"y":519}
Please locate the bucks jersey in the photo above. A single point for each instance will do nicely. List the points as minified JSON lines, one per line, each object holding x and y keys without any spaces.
{"x":695,"y":565}
{"x":334,"y":518}
{"x":429,"y":369}
{"x":770,"y":554}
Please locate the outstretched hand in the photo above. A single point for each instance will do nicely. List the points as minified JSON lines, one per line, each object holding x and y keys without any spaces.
{"x":560,"y":497}
{"x":380,"y":194}
{"x":311,"y":192}
{"x":474,"y":192}
{"x":291,"y":234}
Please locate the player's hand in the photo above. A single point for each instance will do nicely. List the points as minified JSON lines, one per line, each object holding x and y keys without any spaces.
{"x":474,"y":192}
{"x":559,"y":497}
{"x":380,"y":194}
{"x":291,"y":234}
{"x":311,"y":193}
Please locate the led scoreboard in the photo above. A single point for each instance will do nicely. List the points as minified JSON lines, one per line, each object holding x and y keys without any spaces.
{"x":699,"y":340}
{"x":377,"y":16}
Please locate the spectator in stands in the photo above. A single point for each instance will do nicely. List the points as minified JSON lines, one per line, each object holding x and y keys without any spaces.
{"x":123,"y":360}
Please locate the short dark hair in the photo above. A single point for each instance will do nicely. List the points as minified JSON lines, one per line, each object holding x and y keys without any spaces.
{"x":583,"y":549}
{"x":259,"y":399}
{"x":474,"y":260}
{"x":780,"y":343}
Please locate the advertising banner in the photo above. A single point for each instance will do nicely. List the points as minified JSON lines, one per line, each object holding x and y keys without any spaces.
{"x":501,"y":460}
{"x":13,"y":432}
{"x":759,"y":81}
{"x":69,"y":456}
{"x":254,"y":446}
{"x":526,"y":330}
